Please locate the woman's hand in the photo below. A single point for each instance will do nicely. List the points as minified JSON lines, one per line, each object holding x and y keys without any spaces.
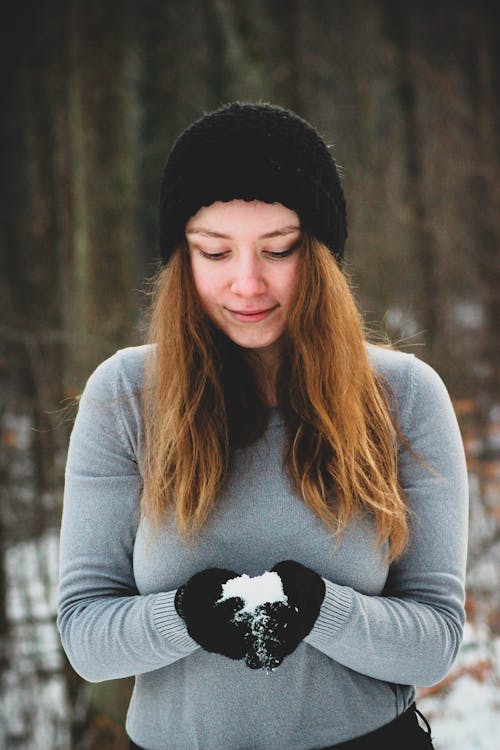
{"x":263,"y":636}
{"x":210,"y":622}
{"x":277,"y":628}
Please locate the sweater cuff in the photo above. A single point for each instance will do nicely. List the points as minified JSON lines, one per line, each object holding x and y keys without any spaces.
{"x":169,"y":624}
{"x":333,"y":615}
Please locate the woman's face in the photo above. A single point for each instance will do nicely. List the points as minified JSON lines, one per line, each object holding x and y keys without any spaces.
{"x":244,"y":259}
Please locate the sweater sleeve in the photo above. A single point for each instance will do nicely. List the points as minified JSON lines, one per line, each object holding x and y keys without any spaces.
{"x":411,"y":633}
{"x":107,"y":629}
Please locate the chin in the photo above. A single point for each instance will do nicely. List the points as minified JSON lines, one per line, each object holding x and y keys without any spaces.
{"x":255,"y":343}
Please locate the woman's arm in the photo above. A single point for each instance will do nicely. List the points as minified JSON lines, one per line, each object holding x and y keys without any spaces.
{"x":411,"y":633}
{"x":107,"y":629}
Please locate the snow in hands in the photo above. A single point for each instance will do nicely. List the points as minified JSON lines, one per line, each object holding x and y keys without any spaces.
{"x":254,"y":590}
{"x":263,"y":597}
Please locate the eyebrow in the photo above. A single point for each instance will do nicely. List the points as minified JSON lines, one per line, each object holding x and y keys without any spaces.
{"x":275,"y":233}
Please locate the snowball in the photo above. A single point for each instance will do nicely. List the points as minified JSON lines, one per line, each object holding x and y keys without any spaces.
{"x":255,"y":590}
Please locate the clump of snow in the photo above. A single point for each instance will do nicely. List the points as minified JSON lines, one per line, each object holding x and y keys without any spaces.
{"x":263,"y":639}
{"x":254,"y":590}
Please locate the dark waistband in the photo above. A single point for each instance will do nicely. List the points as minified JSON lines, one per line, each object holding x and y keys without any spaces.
{"x":403,"y":727}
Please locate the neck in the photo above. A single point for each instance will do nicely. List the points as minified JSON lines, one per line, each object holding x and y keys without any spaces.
{"x":265,"y":363}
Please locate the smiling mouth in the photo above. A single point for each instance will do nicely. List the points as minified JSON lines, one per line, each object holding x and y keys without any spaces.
{"x":252,"y":315}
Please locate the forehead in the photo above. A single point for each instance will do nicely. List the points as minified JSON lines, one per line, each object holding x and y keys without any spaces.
{"x":239,"y":218}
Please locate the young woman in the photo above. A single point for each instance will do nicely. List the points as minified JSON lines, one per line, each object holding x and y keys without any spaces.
{"x":264,"y":515}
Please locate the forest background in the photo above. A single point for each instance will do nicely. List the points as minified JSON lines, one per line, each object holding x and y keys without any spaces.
{"x":92,"y":95}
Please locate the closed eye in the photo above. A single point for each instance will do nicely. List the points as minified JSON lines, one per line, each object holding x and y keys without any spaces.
{"x":278,"y":254}
{"x":213,"y":256}
{"x":281,"y":253}
{"x":273,"y":254}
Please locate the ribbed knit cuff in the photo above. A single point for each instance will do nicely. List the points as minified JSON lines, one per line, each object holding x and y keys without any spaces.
{"x":333,"y":615}
{"x":169,"y":624}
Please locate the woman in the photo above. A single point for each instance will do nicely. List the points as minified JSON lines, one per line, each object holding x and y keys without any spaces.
{"x":264,"y":516}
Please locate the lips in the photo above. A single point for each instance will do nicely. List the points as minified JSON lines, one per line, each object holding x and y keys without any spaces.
{"x":251,"y":316}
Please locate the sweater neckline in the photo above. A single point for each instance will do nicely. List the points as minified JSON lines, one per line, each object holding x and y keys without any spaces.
{"x":275,"y":416}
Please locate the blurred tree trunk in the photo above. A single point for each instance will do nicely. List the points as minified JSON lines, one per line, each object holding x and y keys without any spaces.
{"x":401,"y":28}
{"x":4,"y":622}
{"x":102,"y":258}
{"x":484,"y":192}
{"x":68,"y":239}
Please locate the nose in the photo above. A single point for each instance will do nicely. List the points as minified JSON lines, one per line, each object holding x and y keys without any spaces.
{"x":248,"y":279}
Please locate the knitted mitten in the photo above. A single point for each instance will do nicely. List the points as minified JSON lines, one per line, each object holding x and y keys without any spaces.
{"x":266,"y":640}
{"x":210,"y":622}
{"x":278,"y":628}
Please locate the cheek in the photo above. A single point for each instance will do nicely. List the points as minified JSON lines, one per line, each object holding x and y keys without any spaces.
{"x":204,"y":284}
{"x":289,"y":283}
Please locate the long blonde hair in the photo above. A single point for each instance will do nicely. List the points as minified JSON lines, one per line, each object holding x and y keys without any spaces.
{"x":201,"y":399}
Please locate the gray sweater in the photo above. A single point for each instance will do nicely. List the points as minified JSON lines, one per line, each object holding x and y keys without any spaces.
{"x":381,"y":629}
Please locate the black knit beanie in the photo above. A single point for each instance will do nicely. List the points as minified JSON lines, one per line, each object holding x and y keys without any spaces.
{"x":252,"y":152}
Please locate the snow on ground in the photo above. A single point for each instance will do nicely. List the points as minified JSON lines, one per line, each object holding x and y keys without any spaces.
{"x":464,"y":710}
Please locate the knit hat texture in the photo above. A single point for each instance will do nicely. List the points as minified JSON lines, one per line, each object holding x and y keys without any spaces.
{"x":252,"y":152}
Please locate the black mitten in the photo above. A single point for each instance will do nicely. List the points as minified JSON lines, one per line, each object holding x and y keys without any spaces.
{"x":277,"y":628}
{"x":305,"y":591}
{"x":209,"y":622}
{"x":266,"y":641}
